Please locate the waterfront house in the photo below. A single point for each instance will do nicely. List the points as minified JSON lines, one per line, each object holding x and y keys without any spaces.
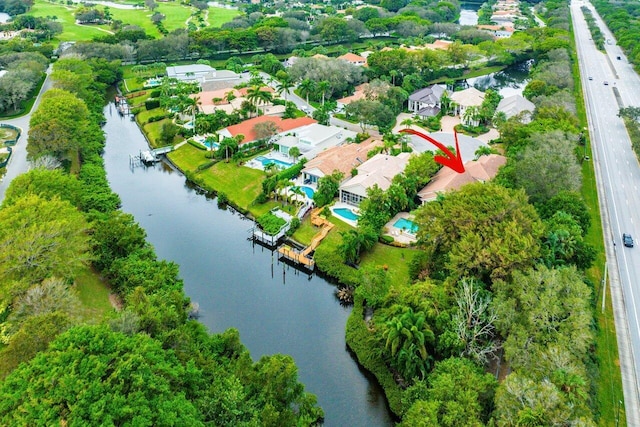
{"x":343,"y":158}
{"x":464,"y":99}
{"x":200,"y":73}
{"x":481,"y":170}
{"x":378,"y":170}
{"x":311,"y":139}
{"x":246,"y":127}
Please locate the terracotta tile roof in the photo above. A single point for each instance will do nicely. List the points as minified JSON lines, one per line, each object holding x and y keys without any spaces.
{"x":246,"y":128}
{"x":243,"y":91}
{"x":483,"y":169}
{"x":357,"y":95}
{"x":207,"y":97}
{"x":342,"y":158}
{"x":352,"y":57}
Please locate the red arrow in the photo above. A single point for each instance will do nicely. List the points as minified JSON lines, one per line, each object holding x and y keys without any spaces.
{"x":453,"y":161}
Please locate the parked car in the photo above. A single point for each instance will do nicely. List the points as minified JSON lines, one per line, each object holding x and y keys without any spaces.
{"x":590,"y":78}
{"x":606,"y":83}
{"x":627,"y":240}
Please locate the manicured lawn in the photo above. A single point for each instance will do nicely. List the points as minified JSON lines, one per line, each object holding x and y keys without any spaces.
{"x":94,"y":296}
{"x":139,"y":17}
{"x":176,"y":15}
{"x":153,"y":131}
{"x":218,"y":16}
{"x":396,"y":260}
{"x":64,"y":13}
{"x":241,"y":184}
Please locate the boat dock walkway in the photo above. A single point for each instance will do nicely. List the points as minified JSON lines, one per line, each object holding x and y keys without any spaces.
{"x":303,"y":257}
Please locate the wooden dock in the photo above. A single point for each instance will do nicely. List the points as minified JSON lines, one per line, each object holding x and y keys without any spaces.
{"x":303,"y":257}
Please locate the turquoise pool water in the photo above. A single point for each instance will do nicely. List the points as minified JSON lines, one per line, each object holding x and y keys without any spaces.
{"x":278,"y":163}
{"x":210,"y":143}
{"x":153,"y":82}
{"x":307,"y":190}
{"x":409,"y":226}
{"x":346,"y":214}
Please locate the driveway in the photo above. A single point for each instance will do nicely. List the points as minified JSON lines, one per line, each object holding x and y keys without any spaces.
{"x":18,"y":163}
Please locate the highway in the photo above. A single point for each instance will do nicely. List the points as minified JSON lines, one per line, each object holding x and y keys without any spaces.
{"x":609,"y":84}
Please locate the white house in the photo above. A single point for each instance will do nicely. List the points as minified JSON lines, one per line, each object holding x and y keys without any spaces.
{"x":200,"y":73}
{"x":516,"y":104}
{"x":464,"y":99}
{"x":312,"y":139}
{"x":380,"y":170}
{"x":426,"y":102}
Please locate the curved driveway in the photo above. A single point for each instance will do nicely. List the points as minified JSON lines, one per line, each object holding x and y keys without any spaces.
{"x":18,"y":162}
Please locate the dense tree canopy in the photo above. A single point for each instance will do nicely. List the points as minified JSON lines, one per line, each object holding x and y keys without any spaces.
{"x":41,"y":238}
{"x":482,"y":230}
{"x":91,"y":376}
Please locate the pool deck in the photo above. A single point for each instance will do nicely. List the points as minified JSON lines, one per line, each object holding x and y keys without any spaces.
{"x":274,"y":155}
{"x":399,"y":235}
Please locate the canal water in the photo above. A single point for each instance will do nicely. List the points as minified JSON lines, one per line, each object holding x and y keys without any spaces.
{"x":469,"y":13}
{"x":510,"y":81}
{"x":276,"y":308}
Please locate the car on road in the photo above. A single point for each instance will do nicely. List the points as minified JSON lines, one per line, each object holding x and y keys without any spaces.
{"x":590,"y":78}
{"x":627,"y":240}
{"x":606,"y":83}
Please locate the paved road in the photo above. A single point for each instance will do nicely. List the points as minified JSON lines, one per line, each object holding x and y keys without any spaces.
{"x":618,"y":178}
{"x":18,"y":162}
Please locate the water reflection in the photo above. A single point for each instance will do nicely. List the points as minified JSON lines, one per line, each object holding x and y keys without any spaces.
{"x":510,"y":81}
{"x":276,"y":308}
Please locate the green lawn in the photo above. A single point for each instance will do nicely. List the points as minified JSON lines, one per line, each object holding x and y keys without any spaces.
{"x":240,"y":184}
{"x":64,"y":13}
{"x":94,"y":295}
{"x":218,"y":16}
{"x":176,"y":15}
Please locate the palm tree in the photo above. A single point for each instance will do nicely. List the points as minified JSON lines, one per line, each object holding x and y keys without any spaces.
{"x":470,"y":114}
{"x":284,"y":86}
{"x":257,"y":96}
{"x":445,"y":103}
{"x":306,"y":87}
{"x":295,"y":153}
{"x":230,"y":96}
{"x":393,"y":74}
{"x":323,"y":87}
{"x":407,"y":337}
{"x":407,"y":123}
{"x":230,"y":146}
{"x":354,"y":242}
{"x":390,"y":140}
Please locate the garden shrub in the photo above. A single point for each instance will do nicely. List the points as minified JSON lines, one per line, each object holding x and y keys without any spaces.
{"x":295,"y":224}
{"x":151,"y":103}
{"x":386,"y":239}
{"x":196,"y":144}
{"x":270,"y":224}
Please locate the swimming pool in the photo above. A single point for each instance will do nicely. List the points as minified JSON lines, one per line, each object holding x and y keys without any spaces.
{"x":210,"y":143}
{"x":407,"y":225}
{"x":153,"y":83}
{"x":346,"y":214}
{"x":279,"y":163}
{"x":307,"y":190}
